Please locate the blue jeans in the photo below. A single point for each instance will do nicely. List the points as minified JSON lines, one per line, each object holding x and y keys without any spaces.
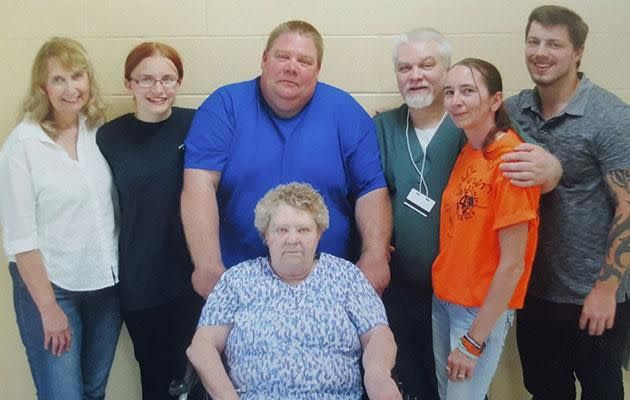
{"x":94,"y":320}
{"x":450,"y":323}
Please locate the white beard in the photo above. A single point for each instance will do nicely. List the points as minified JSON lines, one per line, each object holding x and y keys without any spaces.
{"x":419,"y":100}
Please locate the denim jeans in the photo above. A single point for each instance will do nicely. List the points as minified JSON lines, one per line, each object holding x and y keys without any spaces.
{"x":450,"y":323}
{"x":94,"y":320}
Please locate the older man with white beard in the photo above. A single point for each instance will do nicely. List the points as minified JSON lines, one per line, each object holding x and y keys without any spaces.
{"x":419,"y":145}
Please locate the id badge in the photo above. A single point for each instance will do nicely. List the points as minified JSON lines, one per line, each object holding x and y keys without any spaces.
{"x":419,"y":202}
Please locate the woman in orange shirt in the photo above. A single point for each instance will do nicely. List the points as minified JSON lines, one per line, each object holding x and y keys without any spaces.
{"x":488,"y":233}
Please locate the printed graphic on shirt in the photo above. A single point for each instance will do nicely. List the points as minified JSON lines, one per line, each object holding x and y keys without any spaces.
{"x":466,"y":204}
{"x":476,"y":205}
{"x":471,"y":188}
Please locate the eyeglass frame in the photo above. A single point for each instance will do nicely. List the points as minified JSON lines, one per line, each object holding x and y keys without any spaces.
{"x":155,"y":81}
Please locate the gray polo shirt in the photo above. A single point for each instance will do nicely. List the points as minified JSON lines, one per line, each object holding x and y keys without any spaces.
{"x":591,"y":137}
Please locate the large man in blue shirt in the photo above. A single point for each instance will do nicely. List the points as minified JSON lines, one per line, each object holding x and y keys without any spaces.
{"x":283,"y":126}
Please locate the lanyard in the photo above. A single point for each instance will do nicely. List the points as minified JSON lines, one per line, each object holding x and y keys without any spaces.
{"x":420,"y":171}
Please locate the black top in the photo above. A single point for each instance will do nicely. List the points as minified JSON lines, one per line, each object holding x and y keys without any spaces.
{"x":147,"y":161}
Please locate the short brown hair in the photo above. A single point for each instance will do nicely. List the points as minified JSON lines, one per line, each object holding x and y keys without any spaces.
{"x":149,"y":49}
{"x":304,"y":29}
{"x":558,"y":15}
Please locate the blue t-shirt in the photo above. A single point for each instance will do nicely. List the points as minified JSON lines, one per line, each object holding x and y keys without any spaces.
{"x":295,"y":342}
{"x":330,"y":144}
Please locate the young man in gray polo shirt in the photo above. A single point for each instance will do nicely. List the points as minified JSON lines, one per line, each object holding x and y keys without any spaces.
{"x":577,"y":313}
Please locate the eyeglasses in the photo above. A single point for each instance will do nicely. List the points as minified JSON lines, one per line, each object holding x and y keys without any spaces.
{"x":147,"y":81}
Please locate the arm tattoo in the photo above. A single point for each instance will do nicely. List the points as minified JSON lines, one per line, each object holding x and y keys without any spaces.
{"x":621,"y":178}
{"x":618,"y":258}
{"x":609,"y":271}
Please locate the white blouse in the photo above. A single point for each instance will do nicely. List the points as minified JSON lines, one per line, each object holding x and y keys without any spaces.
{"x":61,"y":206}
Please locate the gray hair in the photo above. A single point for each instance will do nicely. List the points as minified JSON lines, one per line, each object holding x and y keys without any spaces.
{"x":421,"y":35}
{"x":301,"y":196}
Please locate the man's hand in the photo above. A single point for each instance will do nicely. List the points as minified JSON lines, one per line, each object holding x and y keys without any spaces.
{"x":531,"y":165}
{"x":375,"y":266}
{"x":57,"y":334}
{"x":204,"y":280}
{"x":598,"y":311}
{"x":459,"y":366}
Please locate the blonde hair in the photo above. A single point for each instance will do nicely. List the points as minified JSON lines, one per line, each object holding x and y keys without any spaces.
{"x":301,"y":196}
{"x":72,"y":56}
{"x":303,"y":28}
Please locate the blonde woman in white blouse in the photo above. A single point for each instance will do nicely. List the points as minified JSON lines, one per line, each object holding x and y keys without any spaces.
{"x":57,"y":215}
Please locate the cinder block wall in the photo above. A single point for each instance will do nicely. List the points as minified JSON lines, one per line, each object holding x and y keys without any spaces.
{"x":222,"y":41}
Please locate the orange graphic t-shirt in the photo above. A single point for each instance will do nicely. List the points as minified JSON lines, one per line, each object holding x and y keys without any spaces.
{"x":476,"y":203}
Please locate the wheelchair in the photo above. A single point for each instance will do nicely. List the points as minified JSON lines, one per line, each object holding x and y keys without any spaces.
{"x":189,"y":387}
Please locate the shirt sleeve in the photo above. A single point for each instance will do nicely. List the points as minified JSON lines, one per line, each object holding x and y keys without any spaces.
{"x":613,"y":141}
{"x":365,"y":309}
{"x":207,"y":144}
{"x":102,"y":142}
{"x":222,"y":303}
{"x":361,"y":153}
{"x":512,"y":204}
{"x":18,"y":203}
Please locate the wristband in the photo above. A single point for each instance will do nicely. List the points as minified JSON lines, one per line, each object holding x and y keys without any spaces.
{"x":470,"y":346}
{"x":463,"y":349}
{"x":481,"y":347}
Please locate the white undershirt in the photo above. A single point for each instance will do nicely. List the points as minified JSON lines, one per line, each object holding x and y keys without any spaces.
{"x":425,"y":136}
{"x":62,"y":207}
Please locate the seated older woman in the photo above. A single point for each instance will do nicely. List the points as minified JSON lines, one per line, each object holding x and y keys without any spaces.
{"x":296,"y":324}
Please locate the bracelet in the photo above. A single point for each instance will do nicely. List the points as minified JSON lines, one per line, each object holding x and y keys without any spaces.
{"x":463,"y":349}
{"x":470,"y":347}
{"x":481,"y":347}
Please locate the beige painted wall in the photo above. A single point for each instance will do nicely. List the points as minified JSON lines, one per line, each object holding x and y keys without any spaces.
{"x":221,"y":42}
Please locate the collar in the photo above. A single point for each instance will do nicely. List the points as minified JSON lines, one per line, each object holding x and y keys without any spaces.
{"x":267,"y":107}
{"x":35,"y":131}
{"x":576,"y":105}
{"x":405,"y":115}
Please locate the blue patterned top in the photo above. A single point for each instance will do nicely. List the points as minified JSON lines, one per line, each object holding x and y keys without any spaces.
{"x":295,"y":342}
